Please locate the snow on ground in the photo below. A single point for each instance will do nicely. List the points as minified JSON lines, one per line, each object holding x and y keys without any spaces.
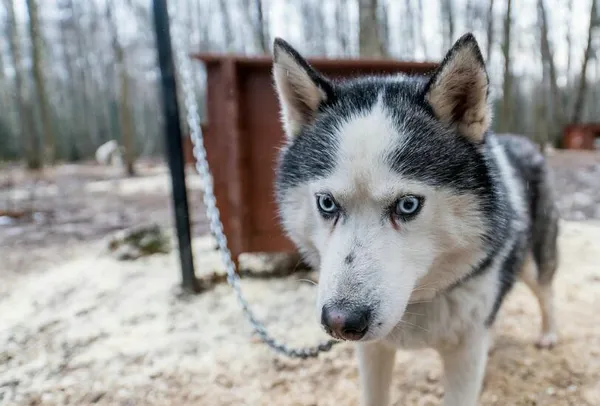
{"x":93,"y":330}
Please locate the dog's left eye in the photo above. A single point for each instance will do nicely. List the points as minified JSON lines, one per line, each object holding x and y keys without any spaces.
{"x":327,"y":205}
{"x":407,"y":206}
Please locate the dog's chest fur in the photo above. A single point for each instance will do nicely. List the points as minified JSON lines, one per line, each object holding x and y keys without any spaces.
{"x":442,"y":322}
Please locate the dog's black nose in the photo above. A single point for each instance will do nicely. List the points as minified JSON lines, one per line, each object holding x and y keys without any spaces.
{"x":346,"y":323}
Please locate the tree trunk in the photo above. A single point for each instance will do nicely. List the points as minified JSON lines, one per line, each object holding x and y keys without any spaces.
{"x":578,"y":108}
{"x":125,"y":116}
{"x":227,"y":29}
{"x":548,"y":60}
{"x":8,"y":116}
{"x":369,"y":42}
{"x":409,"y":30}
{"x":103,"y":81}
{"x":84,"y":73}
{"x":490,"y":33}
{"x":76,"y":119}
{"x":542,"y":125}
{"x":421,"y":29}
{"x":383,"y":28}
{"x":313,"y":25}
{"x":262,"y":27}
{"x":470,"y":15}
{"x":40,"y":81}
{"x":32,"y":143}
{"x":570,"y":38}
{"x":447,"y":10}
{"x":505,"y":123}
{"x":342,"y":26}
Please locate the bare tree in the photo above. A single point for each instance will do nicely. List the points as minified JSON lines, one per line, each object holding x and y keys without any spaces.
{"x":541,"y":125}
{"x":569,"y":37}
{"x":383,"y":27}
{"x":32,"y":143}
{"x":548,"y":62}
{"x":580,"y":96}
{"x":410,"y":28}
{"x":100,"y":84}
{"x":223,"y":11}
{"x":313,"y":26}
{"x":505,"y":124}
{"x":342,"y":26}
{"x":262,"y":27}
{"x":73,"y":112}
{"x":84,"y":72}
{"x":369,"y":41}
{"x":421,"y":29}
{"x":490,"y":33}
{"x":40,"y":81}
{"x":80,"y":87}
{"x":470,"y":14}
{"x":5,"y":99}
{"x":105,"y":74}
{"x":255,"y":17}
{"x":126,"y":119}
{"x":447,"y":9}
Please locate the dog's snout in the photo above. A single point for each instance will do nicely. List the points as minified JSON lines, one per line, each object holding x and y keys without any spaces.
{"x":346,"y":323}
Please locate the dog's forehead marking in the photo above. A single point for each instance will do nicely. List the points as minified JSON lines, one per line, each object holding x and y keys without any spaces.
{"x":365,"y":140}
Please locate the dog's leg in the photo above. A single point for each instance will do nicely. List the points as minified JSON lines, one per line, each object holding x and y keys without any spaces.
{"x":544,"y":294}
{"x":375,"y":365}
{"x":464,"y":369}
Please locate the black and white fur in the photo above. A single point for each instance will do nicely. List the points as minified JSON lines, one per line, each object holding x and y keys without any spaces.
{"x":356,"y":150}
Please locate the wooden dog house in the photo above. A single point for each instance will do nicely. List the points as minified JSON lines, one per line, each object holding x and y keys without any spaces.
{"x":581,"y":136}
{"x":243,"y":134}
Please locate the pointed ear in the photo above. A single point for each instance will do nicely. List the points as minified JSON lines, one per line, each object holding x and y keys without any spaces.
{"x":300,"y":88}
{"x":458,"y":91}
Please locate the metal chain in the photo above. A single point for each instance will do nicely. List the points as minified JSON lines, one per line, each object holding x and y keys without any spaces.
{"x":212,"y":212}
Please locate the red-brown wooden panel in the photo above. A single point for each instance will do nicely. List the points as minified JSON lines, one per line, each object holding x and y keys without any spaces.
{"x":244,"y":134}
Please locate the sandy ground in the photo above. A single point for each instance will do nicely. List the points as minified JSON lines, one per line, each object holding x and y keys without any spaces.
{"x":95,"y":330}
{"x":78,"y":327}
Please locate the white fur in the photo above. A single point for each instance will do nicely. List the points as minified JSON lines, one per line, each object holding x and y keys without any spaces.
{"x":365,"y":185}
{"x":464,"y":369}
{"x":403,"y":270}
{"x":393,"y":265}
{"x":376,"y":364}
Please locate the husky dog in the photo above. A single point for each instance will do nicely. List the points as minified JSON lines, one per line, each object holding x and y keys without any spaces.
{"x":418,"y":218}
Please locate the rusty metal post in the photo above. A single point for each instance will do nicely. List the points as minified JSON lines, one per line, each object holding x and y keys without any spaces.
{"x":174,"y":144}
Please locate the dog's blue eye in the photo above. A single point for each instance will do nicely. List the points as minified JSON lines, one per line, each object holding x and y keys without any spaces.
{"x":326,"y":204}
{"x":408,"y":205}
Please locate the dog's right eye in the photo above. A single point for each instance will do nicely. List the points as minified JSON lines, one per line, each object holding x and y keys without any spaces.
{"x":327,"y":205}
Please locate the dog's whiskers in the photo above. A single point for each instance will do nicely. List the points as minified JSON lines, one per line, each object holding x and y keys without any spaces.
{"x":307,"y":280}
{"x":427,"y":284}
{"x":418,"y":289}
{"x":414,"y":314}
{"x":422,"y":301}
{"x":414,"y":325}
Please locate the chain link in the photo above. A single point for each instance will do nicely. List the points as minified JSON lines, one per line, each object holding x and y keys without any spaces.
{"x":212,"y":212}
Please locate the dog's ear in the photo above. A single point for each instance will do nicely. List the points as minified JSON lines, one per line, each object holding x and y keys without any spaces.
{"x":300,"y":88}
{"x":458,"y":91}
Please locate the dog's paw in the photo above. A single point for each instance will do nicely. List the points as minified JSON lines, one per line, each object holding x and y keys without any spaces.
{"x":547,"y":340}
